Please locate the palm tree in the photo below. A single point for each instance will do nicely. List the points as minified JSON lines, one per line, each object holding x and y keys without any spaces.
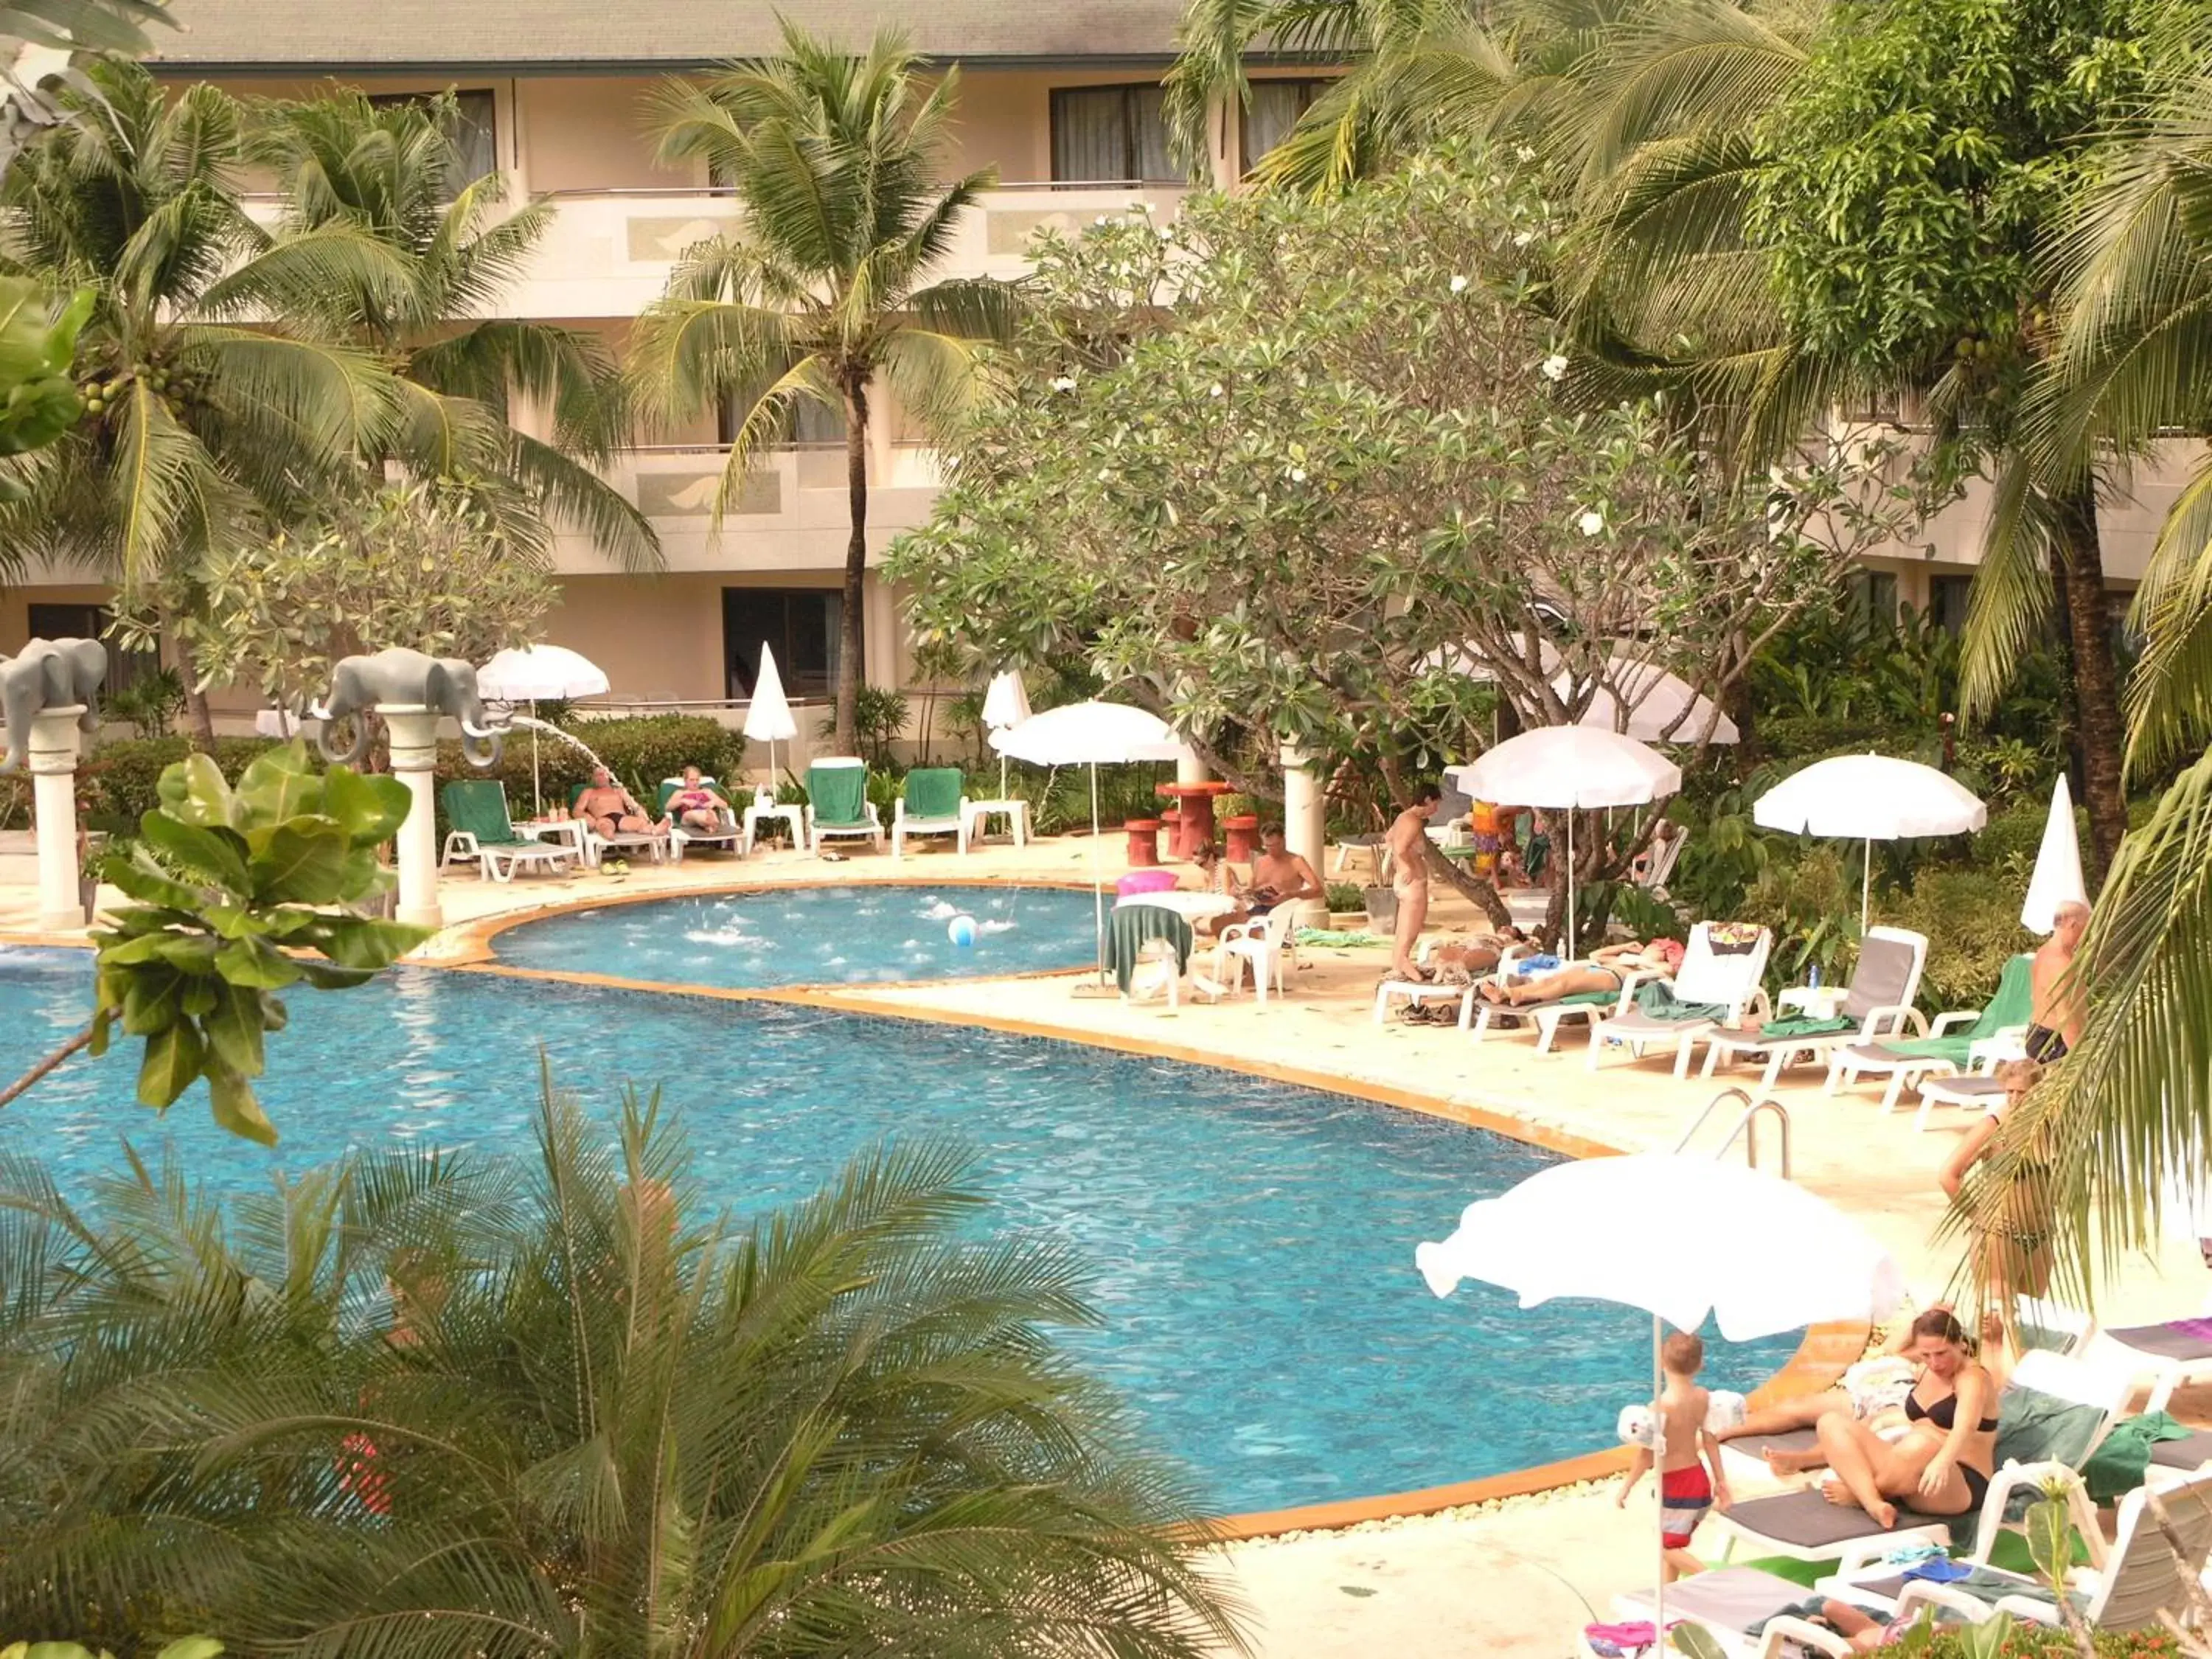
{"x":385,"y":173}
{"x":65,"y":28}
{"x":826,"y":287}
{"x":541,"y":1408}
{"x":201,"y":428}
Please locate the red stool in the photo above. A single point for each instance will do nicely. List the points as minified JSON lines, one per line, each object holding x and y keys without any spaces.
{"x":1143,"y":842}
{"x":1242,"y":832}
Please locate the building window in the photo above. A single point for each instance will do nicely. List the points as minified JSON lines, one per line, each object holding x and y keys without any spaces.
{"x":1872,"y":596}
{"x":1947,"y":602}
{"x":1275,"y":109}
{"x":91,"y":621}
{"x":1880,"y":407}
{"x":474,"y":132}
{"x":1111,"y":134}
{"x":801,"y":625}
{"x":811,"y":422}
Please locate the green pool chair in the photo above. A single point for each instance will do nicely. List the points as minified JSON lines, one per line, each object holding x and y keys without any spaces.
{"x":838,"y":804}
{"x":931,"y":804}
{"x":1965,"y":1040}
{"x":728,"y":834}
{"x":481,"y":830}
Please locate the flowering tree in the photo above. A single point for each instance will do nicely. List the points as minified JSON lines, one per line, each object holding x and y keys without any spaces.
{"x":1300,"y":470}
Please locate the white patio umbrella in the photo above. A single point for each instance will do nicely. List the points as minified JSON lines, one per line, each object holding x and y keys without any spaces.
{"x":1757,"y":1254}
{"x":767,"y":715}
{"x":2058,"y":878}
{"x":1657,"y":702}
{"x":1869,"y":798}
{"x":1092,"y":734}
{"x":1564,"y":767}
{"x":535,"y":674}
{"x":1005,"y":704}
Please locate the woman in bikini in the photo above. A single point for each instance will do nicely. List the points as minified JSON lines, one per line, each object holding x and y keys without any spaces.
{"x":697,"y":805}
{"x":1602,"y":972}
{"x":2012,"y":1234}
{"x":1944,"y":1461}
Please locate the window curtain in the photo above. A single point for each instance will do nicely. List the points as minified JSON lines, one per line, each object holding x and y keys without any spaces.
{"x":1274,"y":110}
{"x":1089,"y":133}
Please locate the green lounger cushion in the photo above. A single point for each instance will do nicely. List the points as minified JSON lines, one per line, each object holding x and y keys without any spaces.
{"x":839,"y":795}
{"x":478,"y":807}
{"x":933,"y":791}
{"x":2009,"y":1007}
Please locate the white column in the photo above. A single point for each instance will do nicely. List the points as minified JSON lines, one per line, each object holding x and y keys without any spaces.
{"x":1305,"y":821}
{"x":1191,"y":769}
{"x":54,"y":747}
{"x":414,"y":732}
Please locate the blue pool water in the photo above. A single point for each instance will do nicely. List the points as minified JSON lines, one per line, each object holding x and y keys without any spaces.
{"x":815,"y":936}
{"x":1253,"y":1241}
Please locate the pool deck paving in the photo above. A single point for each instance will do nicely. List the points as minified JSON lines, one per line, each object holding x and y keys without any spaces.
{"x":1510,"y":1578}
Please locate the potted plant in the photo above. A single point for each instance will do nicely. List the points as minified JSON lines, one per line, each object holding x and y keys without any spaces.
{"x":1382,"y":904}
{"x":1346,"y":911}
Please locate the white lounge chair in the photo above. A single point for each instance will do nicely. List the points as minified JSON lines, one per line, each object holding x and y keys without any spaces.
{"x":727,"y":833}
{"x":2166,"y":1356}
{"x":930,"y":803}
{"x":1546,"y":1018}
{"x":1955,"y":1042}
{"x":1884,"y":982}
{"x":1717,"y":972}
{"x":1744,"y":1610}
{"x":655,"y":844}
{"x":837,"y":802}
{"x":1805,"y":1526}
{"x":482,"y":832}
{"x":1418,"y":991}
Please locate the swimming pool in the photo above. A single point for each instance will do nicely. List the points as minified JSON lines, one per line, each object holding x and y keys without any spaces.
{"x":1253,"y":1241}
{"x":814,"y":936}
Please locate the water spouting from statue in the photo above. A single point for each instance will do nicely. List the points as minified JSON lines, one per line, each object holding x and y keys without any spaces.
{"x":534,"y":726}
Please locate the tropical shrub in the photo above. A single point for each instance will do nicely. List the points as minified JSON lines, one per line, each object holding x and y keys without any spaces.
{"x":121,"y":781}
{"x":879,"y":716}
{"x":1971,"y":918}
{"x":151,"y":705}
{"x":549,"y":1405}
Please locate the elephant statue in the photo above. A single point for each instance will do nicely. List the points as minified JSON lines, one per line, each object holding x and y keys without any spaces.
{"x":49,"y":674}
{"x":447,"y":686}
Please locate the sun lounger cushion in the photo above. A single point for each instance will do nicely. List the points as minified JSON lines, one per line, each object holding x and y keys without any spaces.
{"x":1129,"y":927}
{"x":1804,"y":1025}
{"x":2177,"y":1339}
{"x":1757,"y":1445}
{"x":1733,"y":1598}
{"x":2116,"y":1466}
{"x":839,"y":795}
{"x":1807,"y":1520}
{"x":2192,"y":1451}
{"x":932,"y":792}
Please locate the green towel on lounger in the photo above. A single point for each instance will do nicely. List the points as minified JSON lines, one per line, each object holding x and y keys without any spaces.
{"x":2116,"y":1466}
{"x":2011,"y":1006}
{"x":1805,"y":1025}
{"x":1657,"y":1001}
{"x":933,"y":791}
{"x":839,"y":795}
{"x":1130,"y":927}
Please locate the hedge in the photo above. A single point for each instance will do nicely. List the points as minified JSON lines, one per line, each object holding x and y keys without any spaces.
{"x":1972,"y":919}
{"x":119,"y":783}
{"x":640,"y":752}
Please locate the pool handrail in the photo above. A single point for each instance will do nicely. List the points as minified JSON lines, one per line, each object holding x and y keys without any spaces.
{"x":1745,"y":1124}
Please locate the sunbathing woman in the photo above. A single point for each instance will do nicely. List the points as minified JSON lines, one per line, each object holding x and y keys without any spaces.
{"x":1602,"y":972}
{"x":697,"y":805}
{"x":1944,"y":1462}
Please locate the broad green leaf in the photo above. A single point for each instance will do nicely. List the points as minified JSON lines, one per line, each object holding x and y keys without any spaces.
{"x":189,"y":953}
{"x":358,"y":942}
{"x":152,"y":999}
{"x":325,"y":976}
{"x":173,"y":1060}
{"x":102,"y":1024}
{"x":252,"y":963}
{"x":234,"y":921}
{"x":369,"y":809}
{"x":193,"y":790}
{"x":233,"y":1031}
{"x":281,"y":784}
{"x":136,"y":949}
{"x":1696,"y":1642}
{"x":198,"y":998}
{"x":192,"y":1647}
{"x":216,"y":855}
{"x":304,"y":862}
{"x":235,"y":1108}
{"x":139,"y":876}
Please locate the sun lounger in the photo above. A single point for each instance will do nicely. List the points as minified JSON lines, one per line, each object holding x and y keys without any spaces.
{"x":482,"y":831}
{"x":1546,"y":1017}
{"x":1722,"y":967}
{"x":654,"y":843}
{"x":2169,"y":1355}
{"x":1976,"y":1093}
{"x":1418,"y":991}
{"x":1747,"y":1612}
{"x":2143,"y":1576}
{"x":932,"y":802}
{"x":838,"y":804}
{"x":727,"y":832}
{"x":1878,"y":1004}
{"x":2051,"y":1415}
{"x":1954,"y":1043}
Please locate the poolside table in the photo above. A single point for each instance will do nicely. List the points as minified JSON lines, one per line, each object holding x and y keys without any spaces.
{"x":792,"y":817}
{"x":977,"y":813}
{"x":1194,"y":819}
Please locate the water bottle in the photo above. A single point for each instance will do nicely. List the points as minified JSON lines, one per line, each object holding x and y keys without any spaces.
{"x":1815,"y":976}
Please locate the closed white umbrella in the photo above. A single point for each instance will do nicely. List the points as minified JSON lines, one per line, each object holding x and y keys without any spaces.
{"x":1662,"y":707}
{"x":535,"y":674}
{"x":1092,"y":734}
{"x":1564,"y":767}
{"x":1757,"y":1254}
{"x":767,"y":715}
{"x":1005,"y":704}
{"x":1869,"y":798}
{"x":2058,"y":878}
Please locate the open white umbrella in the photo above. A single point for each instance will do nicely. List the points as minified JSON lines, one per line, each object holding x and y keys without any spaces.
{"x":1869,"y":798}
{"x":2058,"y":878}
{"x":767,"y":715}
{"x":1757,"y":1254}
{"x":1005,"y":704}
{"x":1092,"y":734}
{"x":535,"y":674}
{"x":1564,"y":767}
{"x":1662,"y":707}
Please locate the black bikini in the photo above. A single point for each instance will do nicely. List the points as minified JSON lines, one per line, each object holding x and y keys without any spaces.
{"x":1944,"y":1414}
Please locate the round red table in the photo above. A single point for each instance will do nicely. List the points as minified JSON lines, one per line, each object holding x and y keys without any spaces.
{"x":1194,"y":823}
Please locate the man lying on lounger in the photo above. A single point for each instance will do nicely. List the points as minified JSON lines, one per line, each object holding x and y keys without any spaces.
{"x":609,"y":809}
{"x":1602,"y":972}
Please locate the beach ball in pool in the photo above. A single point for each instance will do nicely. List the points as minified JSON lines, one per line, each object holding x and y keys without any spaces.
{"x":960,"y":930}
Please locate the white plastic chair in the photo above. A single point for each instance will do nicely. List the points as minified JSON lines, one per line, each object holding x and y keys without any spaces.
{"x":1264,"y":941}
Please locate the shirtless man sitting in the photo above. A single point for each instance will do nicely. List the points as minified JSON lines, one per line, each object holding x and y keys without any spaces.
{"x":609,"y":808}
{"x":1278,"y":875}
{"x":2056,"y":1024}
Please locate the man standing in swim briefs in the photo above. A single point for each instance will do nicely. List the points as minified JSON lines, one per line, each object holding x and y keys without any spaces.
{"x":1408,"y":841}
{"x":2056,"y":1000}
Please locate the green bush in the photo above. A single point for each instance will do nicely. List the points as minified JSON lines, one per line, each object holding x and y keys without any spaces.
{"x":118,"y":784}
{"x":2025,"y":1641}
{"x":878,"y":721}
{"x":1972,"y":919}
{"x":640,"y":752}
{"x":1342,"y":896}
{"x":1796,"y":737}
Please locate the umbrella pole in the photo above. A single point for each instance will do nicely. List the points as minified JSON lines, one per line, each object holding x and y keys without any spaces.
{"x":1002,"y":777}
{"x":537,"y":799}
{"x":1097,"y":880}
{"x":1866,"y":886}
{"x":1570,"y":953}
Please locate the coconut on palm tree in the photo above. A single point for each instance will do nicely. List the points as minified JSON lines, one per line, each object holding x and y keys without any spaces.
{"x":825,"y":295}
{"x":440,"y":252}
{"x":549,"y":1406}
{"x":201,"y":427}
